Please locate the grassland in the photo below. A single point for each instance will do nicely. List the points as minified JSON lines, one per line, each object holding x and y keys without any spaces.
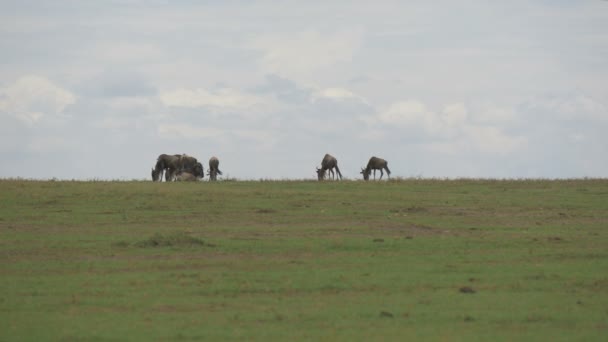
{"x":414,"y":259}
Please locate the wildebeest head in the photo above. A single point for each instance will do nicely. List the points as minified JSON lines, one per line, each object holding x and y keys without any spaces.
{"x":155,"y":175}
{"x":198,"y":170}
{"x":365,"y":173}
{"x":320,"y":174}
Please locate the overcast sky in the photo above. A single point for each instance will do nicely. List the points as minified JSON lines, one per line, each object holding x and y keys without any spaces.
{"x":493,"y":89}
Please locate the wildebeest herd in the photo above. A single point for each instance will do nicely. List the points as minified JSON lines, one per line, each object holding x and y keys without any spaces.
{"x":329,"y":163}
{"x":182,"y":167}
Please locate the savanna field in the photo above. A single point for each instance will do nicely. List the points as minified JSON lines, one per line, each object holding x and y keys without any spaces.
{"x":414,"y":259}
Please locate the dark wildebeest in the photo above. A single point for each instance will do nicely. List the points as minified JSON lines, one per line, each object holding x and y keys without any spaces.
{"x":375,"y":163}
{"x":197,"y":170}
{"x":168,"y":163}
{"x":329,"y":162}
{"x":186,"y":162}
{"x":214,"y":168}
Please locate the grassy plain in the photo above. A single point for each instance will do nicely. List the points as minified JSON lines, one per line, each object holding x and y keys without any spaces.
{"x":401,"y":260}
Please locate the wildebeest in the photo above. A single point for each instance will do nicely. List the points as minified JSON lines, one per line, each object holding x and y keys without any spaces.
{"x":214,"y":168}
{"x":197,"y":170}
{"x":170,"y":165}
{"x":166,"y":163}
{"x":375,"y":163}
{"x":184,"y":176}
{"x":187,"y":162}
{"x":329,"y":162}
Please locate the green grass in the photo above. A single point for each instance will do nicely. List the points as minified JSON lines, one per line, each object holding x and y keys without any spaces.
{"x":276,"y":260}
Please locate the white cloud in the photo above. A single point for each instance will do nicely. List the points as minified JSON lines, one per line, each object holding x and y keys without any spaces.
{"x":404,"y":113}
{"x":490,"y":139}
{"x":567,"y":107}
{"x":478,"y":140}
{"x":449,"y":131}
{"x":123,"y":52}
{"x":224,"y":98}
{"x":410,"y":113}
{"x":47,"y":144}
{"x":338,"y":94}
{"x":114,"y":123}
{"x":133,"y":104}
{"x":576,"y":138}
{"x":31,"y":98}
{"x":260,"y":137}
{"x":185,"y":131}
{"x":296,"y":54}
{"x":374,"y":135}
{"x":236,"y":78}
{"x":454,"y":114}
{"x":490,"y":113}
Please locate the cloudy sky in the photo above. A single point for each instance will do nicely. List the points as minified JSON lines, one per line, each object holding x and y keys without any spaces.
{"x":500,"y":89}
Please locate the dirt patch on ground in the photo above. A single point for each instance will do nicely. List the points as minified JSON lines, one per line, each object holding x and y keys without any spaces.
{"x":411,"y":230}
{"x":170,"y":240}
{"x":266,"y":211}
{"x":467,"y":289}
{"x":410,"y":209}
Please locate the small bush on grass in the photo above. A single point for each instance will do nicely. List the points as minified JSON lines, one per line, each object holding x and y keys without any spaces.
{"x":171,"y":240}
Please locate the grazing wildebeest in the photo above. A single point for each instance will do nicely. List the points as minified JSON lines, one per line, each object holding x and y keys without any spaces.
{"x":375,"y":163}
{"x":186,"y":162}
{"x":197,"y":170}
{"x":171,"y":164}
{"x":214,"y":168}
{"x":329,"y":162}
{"x":168,"y":163}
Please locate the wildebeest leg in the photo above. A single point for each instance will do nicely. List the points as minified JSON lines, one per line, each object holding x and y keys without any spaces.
{"x":331,"y":172}
{"x":338,"y":171}
{"x":374,"y":174}
{"x":170,"y":175}
{"x":381,"y":173}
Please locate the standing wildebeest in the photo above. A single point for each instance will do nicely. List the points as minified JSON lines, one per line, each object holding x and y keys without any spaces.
{"x":186,"y":162}
{"x":172,"y":164}
{"x":168,"y":163}
{"x":197,"y":170}
{"x":329,"y":162}
{"x":375,"y":163}
{"x":214,"y":168}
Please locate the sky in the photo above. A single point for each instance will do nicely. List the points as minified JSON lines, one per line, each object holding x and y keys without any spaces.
{"x":440,"y":89}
